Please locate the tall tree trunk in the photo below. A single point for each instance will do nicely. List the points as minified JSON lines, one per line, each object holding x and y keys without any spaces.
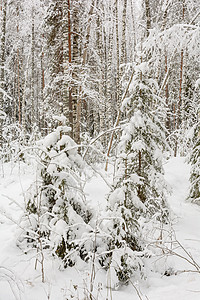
{"x":18,"y":72}
{"x":42,"y":86}
{"x":24,"y":95}
{"x":2,"y":64}
{"x":148,"y":16}
{"x":134,"y":29}
{"x":2,"y":57}
{"x":167,"y":123}
{"x":75,"y":87}
{"x":66,"y":38}
{"x":101,"y":73}
{"x":76,"y":59}
{"x":33,"y":106}
{"x":123,"y":58}
{"x":112,"y":105}
{"x":178,"y":117}
{"x":117,"y":54}
{"x":70,"y":62}
{"x":14,"y":110}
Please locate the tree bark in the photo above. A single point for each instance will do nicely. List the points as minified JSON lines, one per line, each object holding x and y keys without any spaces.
{"x":178,"y":117}
{"x":75,"y":86}
{"x":117,"y":54}
{"x":2,"y":64}
{"x":123,"y":42}
{"x":70,"y":62}
{"x":33,"y":108}
{"x":148,"y":16}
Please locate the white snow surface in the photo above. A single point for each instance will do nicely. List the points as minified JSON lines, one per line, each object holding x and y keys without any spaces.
{"x":19,"y":279}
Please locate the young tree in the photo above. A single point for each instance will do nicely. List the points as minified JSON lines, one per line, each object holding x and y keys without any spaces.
{"x":194,"y":195}
{"x":139,"y":186}
{"x":2,"y":63}
{"x":194,"y":158}
{"x":57,"y":213}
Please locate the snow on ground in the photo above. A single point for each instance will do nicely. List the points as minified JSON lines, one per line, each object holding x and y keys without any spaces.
{"x":186,"y":223}
{"x":18,"y":278}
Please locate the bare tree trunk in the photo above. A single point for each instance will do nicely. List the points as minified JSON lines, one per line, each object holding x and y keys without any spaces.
{"x":117,"y":53}
{"x":101,"y":73}
{"x":178,"y":117}
{"x":42,"y":86}
{"x":123,"y":42}
{"x":2,"y":58}
{"x":75,"y":87}
{"x":14,"y":111}
{"x":134,"y":35}
{"x":167,"y":123}
{"x":24,"y":95}
{"x":2,"y":64}
{"x":70,"y":61}
{"x":18,"y":73}
{"x":148,"y":16}
{"x":33,"y":108}
{"x":112,"y":105}
{"x":66,"y":23}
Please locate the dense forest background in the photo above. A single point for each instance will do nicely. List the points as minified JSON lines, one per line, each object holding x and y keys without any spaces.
{"x":76,"y":58}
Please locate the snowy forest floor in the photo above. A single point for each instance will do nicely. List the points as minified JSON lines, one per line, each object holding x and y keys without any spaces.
{"x":20,"y":280}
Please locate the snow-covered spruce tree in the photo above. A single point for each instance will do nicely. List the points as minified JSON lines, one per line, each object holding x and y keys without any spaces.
{"x":194,"y":194}
{"x":139,"y":186}
{"x":194,"y":157}
{"x":57,"y":215}
{"x":14,"y":141}
{"x":142,"y":145}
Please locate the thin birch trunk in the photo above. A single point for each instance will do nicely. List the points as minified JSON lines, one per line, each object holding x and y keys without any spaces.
{"x":117,"y":54}
{"x":167,"y":123}
{"x":134,"y":35}
{"x":76,"y":61}
{"x":33,"y":114}
{"x":148,"y":16}
{"x":24,"y":95}
{"x":101,"y":83}
{"x":18,"y":73}
{"x":178,"y":116}
{"x":123,"y":58}
{"x":14,"y":110}
{"x":110,"y":100}
{"x":42,"y":86}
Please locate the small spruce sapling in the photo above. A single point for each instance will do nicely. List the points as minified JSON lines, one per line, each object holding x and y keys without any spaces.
{"x":139,"y":186}
{"x":194,"y":194}
{"x":141,"y":148}
{"x":57,"y":210}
